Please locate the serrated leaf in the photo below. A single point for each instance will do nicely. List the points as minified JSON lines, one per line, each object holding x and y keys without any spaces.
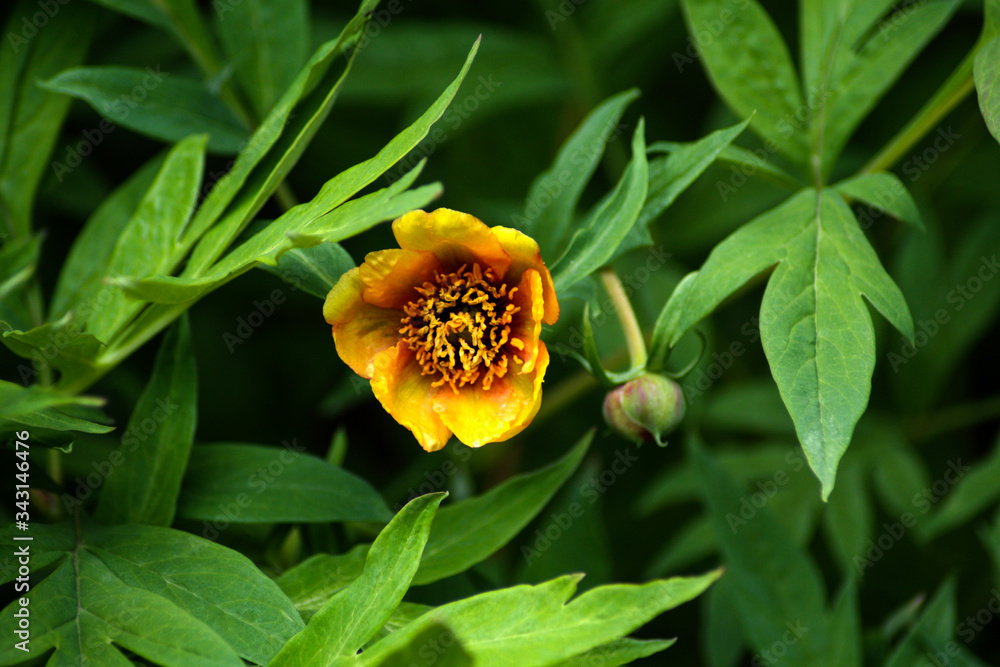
{"x":554,"y":194}
{"x":307,"y":489}
{"x":532,"y":626}
{"x":471,"y":530}
{"x":599,"y":235}
{"x":884,"y":192}
{"x":816,"y":331}
{"x":166,"y":595}
{"x":170,"y":107}
{"x":343,"y":625}
{"x":150,"y":464}
{"x":748,"y":62}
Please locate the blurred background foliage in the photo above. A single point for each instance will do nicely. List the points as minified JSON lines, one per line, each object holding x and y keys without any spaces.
{"x":541,"y":67}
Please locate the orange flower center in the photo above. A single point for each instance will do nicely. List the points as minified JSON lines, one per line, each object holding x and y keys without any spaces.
{"x":459,"y":327}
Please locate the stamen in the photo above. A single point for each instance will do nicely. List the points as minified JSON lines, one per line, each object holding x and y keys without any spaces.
{"x":459,"y":327}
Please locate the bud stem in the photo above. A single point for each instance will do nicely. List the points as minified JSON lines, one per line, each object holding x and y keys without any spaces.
{"x":626,"y":316}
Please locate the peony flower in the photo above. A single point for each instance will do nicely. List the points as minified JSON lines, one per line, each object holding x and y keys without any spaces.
{"x":447,"y":327}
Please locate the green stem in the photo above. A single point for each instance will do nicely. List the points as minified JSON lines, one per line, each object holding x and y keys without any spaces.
{"x":626,"y":316}
{"x":954,"y":90}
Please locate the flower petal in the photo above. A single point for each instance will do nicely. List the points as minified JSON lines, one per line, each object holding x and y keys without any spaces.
{"x":406,"y":395}
{"x":527,"y":324}
{"x":524,"y":255}
{"x":478,"y":416}
{"x":389,"y":276}
{"x":360,"y":330}
{"x":456,"y":238}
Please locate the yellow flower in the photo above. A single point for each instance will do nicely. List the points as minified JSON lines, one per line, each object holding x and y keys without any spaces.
{"x":447,"y":327}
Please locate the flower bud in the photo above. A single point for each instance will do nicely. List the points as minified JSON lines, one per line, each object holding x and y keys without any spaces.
{"x":645,"y":409}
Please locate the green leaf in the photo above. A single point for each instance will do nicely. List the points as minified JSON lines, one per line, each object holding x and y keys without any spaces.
{"x":150,"y":464}
{"x":816,"y":331}
{"x":864,"y":62}
{"x":158,"y":104}
{"x":986,"y":72}
{"x":529,"y":626}
{"x":437,"y":642}
{"x":750,"y":66}
{"x":298,"y":487}
{"x":553,"y":196}
{"x":619,"y":652}
{"x":933,"y":633}
{"x":315,"y":97}
{"x":471,"y":530}
{"x":30,"y":118}
{"x":313,"y":581}
{"x":297,"y":227}
{"x":721,"y":635}
{"x":16,"y":401}
{"x":151,"y":241}
{"x":849,"y":519}
{"x":168,"y":596}
{"x":253,"y":190}
{"x":975,"y":489}
{"x":80,"y":286}
{"x":599,"y":235}
{"x":845,"y":628}
{"x":351,"y":617}
{"x":883,"y":192}
{"x":774,"y":582}
{"x":61,"y":345}
{"x":313,"y":270}
{"x":266,"y":43}
{"x":670,"y":175}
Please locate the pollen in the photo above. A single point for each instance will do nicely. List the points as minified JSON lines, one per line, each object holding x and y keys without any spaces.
{"x":459,"y":327}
